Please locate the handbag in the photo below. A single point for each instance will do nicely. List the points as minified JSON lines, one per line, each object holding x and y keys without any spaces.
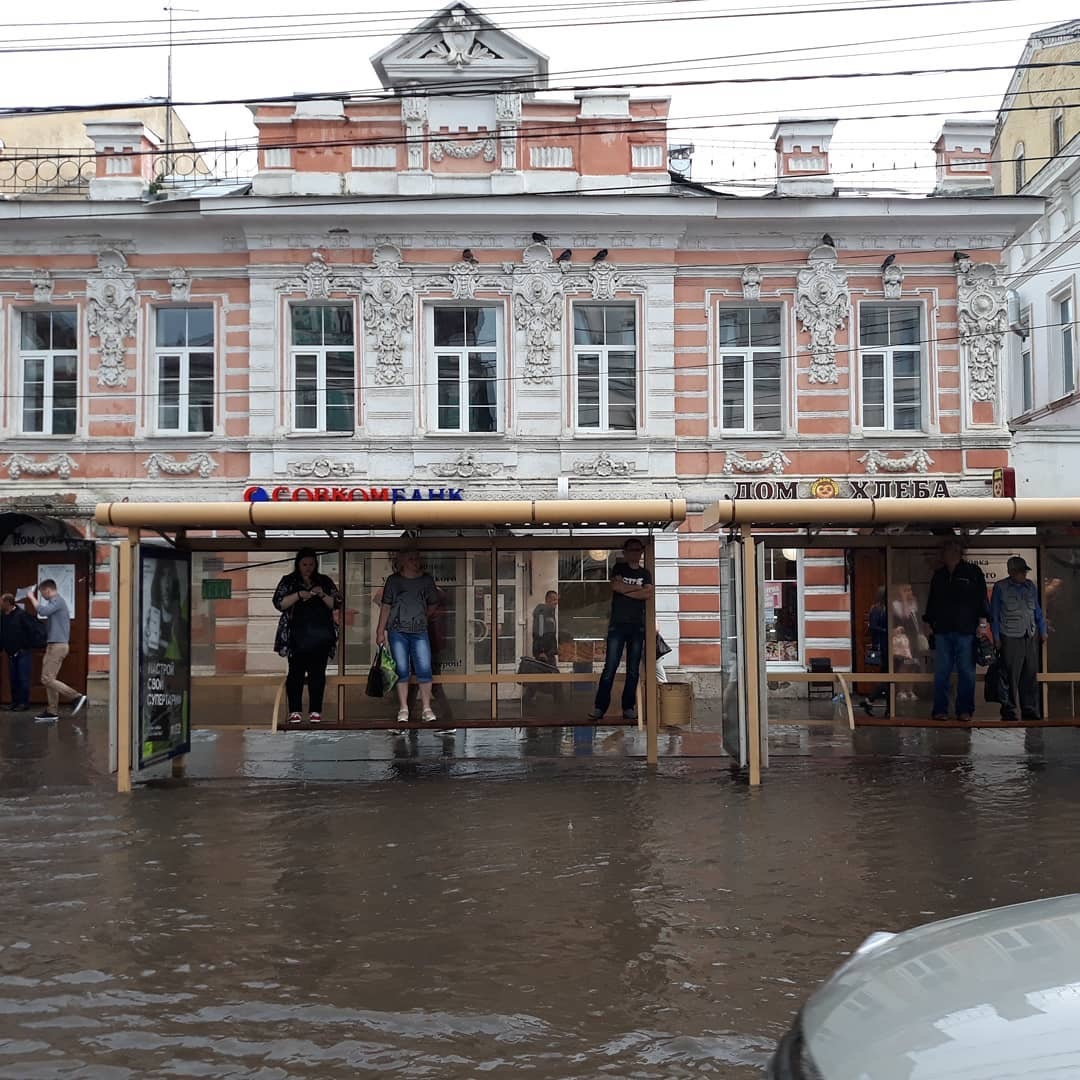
{"x":872,"y":657}
{"x":662,"y":647}
{"x":995,"y":686}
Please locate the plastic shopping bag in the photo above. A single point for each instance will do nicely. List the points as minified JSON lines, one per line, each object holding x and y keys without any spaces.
{"x":382,"y":676}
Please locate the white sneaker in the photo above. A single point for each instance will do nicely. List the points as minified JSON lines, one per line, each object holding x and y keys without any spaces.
{"x":403,"y":716}
{"x":428,"y":716}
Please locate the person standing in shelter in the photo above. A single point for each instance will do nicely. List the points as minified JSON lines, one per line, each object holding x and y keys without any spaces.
{"x":17,"y":640}
{"x":955,"y":610}
{"x":410,"y":598}
{"x":545,"y":628}
{"x":1018,"y":626}
{"x":307,"y":632}
{"x":631,"y":586}
{"x":48,"y":604}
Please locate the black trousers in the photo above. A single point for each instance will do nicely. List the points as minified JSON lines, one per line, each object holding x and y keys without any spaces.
{"x":307,"y":668}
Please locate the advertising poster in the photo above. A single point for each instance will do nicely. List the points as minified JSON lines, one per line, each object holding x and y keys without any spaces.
{"x":164,"y":706}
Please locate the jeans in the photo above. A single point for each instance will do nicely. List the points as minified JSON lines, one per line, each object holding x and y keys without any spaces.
{"x":954,"y":652}
{"x":55,"y":654}
{"x":307,"y":668}
{"x":411,"y":652}
{"x":19,"y":665}
{"x":632,"y":639}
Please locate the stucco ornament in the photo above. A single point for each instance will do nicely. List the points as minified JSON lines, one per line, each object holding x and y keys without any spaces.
{"x":41,"y":281}
{"x":774,"y":461}
{"x":459,"y":45}
{"x":538,"y":310}
{"x":321,"y":469}
{"x":464,"y":279}
{"x":156,"y":464}
{"x":892,"y":281}
{"x":414,"y":111}
{"x":111,"y":315}
{"x":822,"y":304}
{"x":318,"y":279}
{"x":463,"y":149}
{"x":603,"y":466}
{"x":388,"y":314}
{"x":914,"y":461}
{"x":180,"y":285}
{"x":982,"y":311}
{"x":465,"y":467}
{"x":507,"y":118}
{"x":751,"y":283}
{"x":60,"y":465}
{"x":604,"y":281}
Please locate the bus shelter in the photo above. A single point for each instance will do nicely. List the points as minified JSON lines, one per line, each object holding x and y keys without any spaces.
{"x":193,"y":622}
{"x":889,"y":550}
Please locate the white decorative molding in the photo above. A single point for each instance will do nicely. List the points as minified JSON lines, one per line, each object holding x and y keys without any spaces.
{"x":459,"y":46}
{"x":41,"y":281}
{"x":414,"y":112}
{"x":374,"y":157}
{"x":605,"y":281}
{"x":464,"y":279}
{"x":156,"y":464}
{"x":551,"y":157}
{"x":603,"y":466}
{"x":822,"y":304}
{"x":20,"y":465}
{"x":646,"y":155}
{"x":321,"y":469}
{"x":318,"y":279}
{"x":463,"y":150}
{"x":465,"y":467}
{"x":538,"y":310}
{"x":508,"y":117}
{"x":388,"y":314}
{"x":982,"y":312}
{"x":751,"y":283}
{"x":892,"y":281}
{"x":111,"y":316}
{"x":774,"y":461}
{"x":180,"y":285}
{"x":913,"y":461}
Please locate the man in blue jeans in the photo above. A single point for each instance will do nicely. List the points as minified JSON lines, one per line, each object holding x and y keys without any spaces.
{"x":631,"y":586}
{"x":954,"y":611}
{"x":16,"y":639}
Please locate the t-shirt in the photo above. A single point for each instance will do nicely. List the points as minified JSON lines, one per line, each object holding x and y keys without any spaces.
{"x":625,"y":610}
{"x":409,"y":600}
{"x":59,"y":618}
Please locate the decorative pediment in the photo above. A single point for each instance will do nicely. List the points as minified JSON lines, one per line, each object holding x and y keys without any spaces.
{"x":457,"y":42}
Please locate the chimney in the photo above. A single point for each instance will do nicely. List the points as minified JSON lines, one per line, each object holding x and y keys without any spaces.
{"x":963,"y":158}
{"x":802,"y":157}
{"x":125,"y":152}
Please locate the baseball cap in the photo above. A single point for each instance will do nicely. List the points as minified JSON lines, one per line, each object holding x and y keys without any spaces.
{"x":1017,"y":563}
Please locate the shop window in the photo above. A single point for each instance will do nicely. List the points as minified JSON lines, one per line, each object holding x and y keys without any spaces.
{"x":184,"y":368}
{"x":891,"y":359}
{"x":782,"y":603}
{"x":49,"y":364}
{"x":749,"y":364}
{"x":323,"y":354}
{"x":605,"y":367}
{"x":467,"y":359}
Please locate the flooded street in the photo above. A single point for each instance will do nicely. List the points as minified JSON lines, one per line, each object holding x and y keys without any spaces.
{"x":445,"y":916}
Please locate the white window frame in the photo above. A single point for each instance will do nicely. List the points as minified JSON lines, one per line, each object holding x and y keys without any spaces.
{"x":320,"y":353}
{"x":749,"y":354}
{"x":184,"y":354}
{"x":49,"y":358}
{"x":461,"y":353}
{"x":1057,"y":128}
{"x":1064,"y":336}
{"x":602,"y":351}
{"x":1027,"y":369}
{"x":800,"y":615}
{"x":1019,"y":164}
{"x":887,"y":353}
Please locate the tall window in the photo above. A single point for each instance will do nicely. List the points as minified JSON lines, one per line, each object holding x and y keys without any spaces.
{"x":749,"y":343}
{"x":468,"y":393}
{"x":1018,"y":167}
{"x":324,"y":367}
{"x":184,"y":360}
{"x":1065,"y":342}
{"x":605,"y":367}
{"x":889,"y":340}
{"x":781,"y":604}
{"x":1057,"y":128}
{"x":49,"y":353}
{"x":1027,"y":377}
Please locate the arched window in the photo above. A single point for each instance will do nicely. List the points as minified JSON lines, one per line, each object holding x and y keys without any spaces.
{"x":1018,"y":167}
{"x":1057,"y":127}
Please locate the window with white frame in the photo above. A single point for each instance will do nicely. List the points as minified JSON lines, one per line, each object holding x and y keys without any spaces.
{"x":1019,"y":171}
{"x":890,"y":348}
{"x":184,"y":367}
{"x":1063,"y":318}
{"x":1057,"y":127}
{"x":323,"y":355}
{"x":1027,"y":376}
{"x":783,"y":617}
{"x":49,"y":366}
{"x":749,"y":359}
{"x":467,"y":361}
{"x":605,"y":367}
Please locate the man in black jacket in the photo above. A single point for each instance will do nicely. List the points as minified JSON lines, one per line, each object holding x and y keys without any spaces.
{"x":956,"y":607}
{"x":16,"y":639}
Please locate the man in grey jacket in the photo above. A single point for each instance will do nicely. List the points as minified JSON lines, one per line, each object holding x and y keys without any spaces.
{"x":49,"y":604}
{"x":1018,"y":625}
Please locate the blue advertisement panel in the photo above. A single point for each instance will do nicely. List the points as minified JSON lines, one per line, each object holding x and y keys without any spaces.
{"x":164,"y":706}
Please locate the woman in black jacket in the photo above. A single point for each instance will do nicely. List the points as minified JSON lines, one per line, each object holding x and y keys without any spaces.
{"x":307,"y":632}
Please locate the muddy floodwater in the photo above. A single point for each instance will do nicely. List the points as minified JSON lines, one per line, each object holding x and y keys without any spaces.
{"x":438,"y":915}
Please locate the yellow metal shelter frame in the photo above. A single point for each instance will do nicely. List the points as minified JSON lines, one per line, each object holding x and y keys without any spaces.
{"x":892,"y":524}
{"x":494,"y":527}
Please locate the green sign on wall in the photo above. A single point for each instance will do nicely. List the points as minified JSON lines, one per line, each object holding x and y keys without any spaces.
{"x":217,"y":589}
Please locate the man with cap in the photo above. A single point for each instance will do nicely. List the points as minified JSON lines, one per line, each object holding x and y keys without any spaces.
{"x":1018,"y":625}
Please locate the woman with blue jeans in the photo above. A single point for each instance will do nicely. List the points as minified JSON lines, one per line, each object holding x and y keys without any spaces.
{"x":409,"y":599}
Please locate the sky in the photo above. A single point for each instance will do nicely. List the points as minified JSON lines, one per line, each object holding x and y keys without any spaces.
{"x":729,"y":125}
